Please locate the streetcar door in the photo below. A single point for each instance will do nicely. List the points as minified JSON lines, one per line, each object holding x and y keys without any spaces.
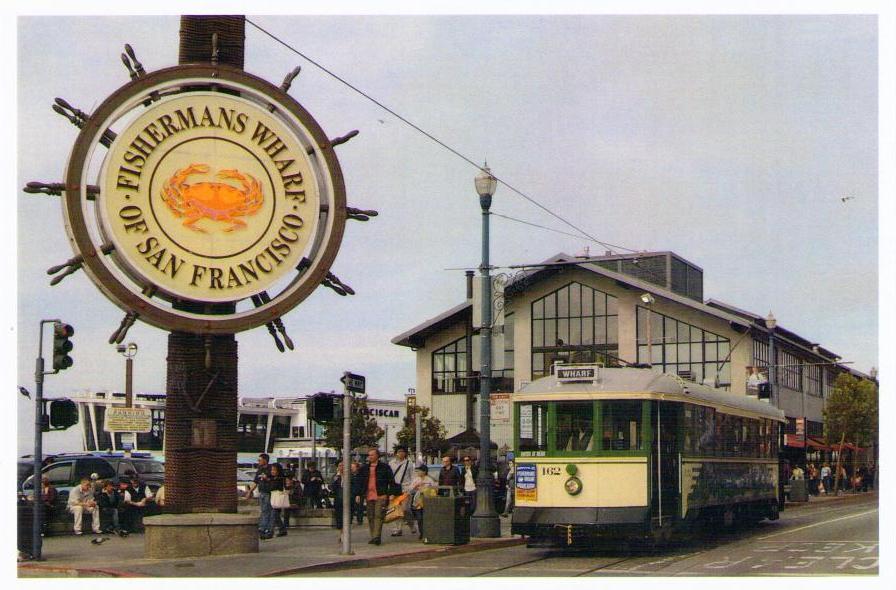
{"x":664,"y":459}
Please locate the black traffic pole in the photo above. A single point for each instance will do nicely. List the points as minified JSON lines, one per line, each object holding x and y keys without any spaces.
{"x":37,"y":485}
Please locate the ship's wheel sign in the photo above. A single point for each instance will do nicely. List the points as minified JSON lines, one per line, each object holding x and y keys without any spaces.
{"x":212,"y":186}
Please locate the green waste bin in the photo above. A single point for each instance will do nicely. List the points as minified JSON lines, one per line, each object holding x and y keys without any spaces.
{"x":446,"y":518}
{"x":798,"y":490}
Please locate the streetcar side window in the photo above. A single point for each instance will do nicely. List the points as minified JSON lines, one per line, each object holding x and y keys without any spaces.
{"x":621,"y":425}
{"x":575,"y":426}
{"x":533,"y":424}
{"x":689,"y":429}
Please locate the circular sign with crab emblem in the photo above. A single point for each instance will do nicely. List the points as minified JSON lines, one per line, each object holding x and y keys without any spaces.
{"x":209,"y":197}
{"x":217,"y":187}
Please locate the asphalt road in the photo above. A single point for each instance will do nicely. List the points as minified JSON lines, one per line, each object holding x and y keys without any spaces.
{"x":828,"y":538}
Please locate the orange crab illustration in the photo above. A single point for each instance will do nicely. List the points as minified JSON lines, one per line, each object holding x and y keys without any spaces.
{"x":212,"y":200}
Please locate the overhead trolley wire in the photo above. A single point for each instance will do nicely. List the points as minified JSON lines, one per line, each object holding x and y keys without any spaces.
{"x":434,"y":138}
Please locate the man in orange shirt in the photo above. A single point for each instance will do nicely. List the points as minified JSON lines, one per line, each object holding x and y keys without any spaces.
{"x":378,"y":478}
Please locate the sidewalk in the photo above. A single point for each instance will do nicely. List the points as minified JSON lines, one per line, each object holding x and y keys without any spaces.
{"x":303,"y":550}
{"x":824,"y":498}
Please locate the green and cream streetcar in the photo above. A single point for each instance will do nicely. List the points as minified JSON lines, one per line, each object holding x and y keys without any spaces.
{"x":632,"y":452}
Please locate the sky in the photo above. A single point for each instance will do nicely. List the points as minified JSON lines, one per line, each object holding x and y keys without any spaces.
{"x":746,"y":144}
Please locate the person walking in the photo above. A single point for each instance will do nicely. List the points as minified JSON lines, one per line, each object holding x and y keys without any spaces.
{"x":826,"y":478}
{"x":358,"y":488}
{"x":421,"y":485}
{"x":449,"y":476}
{"x":262,"y":482}
{"x":813,"y":477}
{"x":403,"y":471}
{"x":379,"y":479}
{"x":511,"y":489}
{"x":312,"y":482}
{"x":81,"y":500}
{"x":469,"y":471}
{"x":336,"y":487}
{"x":280,"y":515}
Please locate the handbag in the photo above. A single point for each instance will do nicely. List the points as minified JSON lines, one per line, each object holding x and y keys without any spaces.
{"x":279,"y":499}
{"x":395,"y":510}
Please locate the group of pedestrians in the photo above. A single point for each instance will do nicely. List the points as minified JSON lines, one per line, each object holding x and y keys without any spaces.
{"x":376,"y":487}
{"x":821,"y":480}
{"x":113,"y":510}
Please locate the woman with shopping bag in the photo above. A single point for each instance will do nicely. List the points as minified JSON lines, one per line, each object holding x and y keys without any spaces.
{"x":279,"y":499}
{"x":422,"y":486}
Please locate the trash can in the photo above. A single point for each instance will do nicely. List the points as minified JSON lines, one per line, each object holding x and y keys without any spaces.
{"x":26,"y":531}
{"x":798,"y":491}
{"x":446,"y":518}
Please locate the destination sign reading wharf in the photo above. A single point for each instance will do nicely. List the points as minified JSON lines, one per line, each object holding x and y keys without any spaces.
{"x":209,"y":196}
{"x":575,"y":374}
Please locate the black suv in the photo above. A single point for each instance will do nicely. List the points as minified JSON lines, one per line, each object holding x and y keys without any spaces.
{"x":65,"y":471}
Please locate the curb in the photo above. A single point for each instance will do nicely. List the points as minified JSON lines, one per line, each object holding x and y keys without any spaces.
{"x":79,"y":571}
{"x":393,"y":558}
{"x":835,"y":499}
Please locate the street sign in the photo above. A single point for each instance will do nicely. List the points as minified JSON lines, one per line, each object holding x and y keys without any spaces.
{"x":352,"y":382}
{"x":128,"y":420}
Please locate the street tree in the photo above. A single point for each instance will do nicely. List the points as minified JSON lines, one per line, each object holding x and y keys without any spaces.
{"x":365,"y":432}
{"x":850,"y":414}
{"x":432,"y":433}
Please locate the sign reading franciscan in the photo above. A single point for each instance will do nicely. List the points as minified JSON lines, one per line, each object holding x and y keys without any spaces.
{"x":209,"y":196}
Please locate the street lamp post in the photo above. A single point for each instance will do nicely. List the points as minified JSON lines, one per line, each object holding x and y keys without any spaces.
{"x":485,"y":521}
{"x":647,"y":299}
{"x":128,"y":351}
{"x":770,"y":323}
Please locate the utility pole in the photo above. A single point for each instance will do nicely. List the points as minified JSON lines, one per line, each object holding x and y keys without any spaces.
{"x":346,"y":472}
{"x":37,"y":483}
{"x":418,"y":432}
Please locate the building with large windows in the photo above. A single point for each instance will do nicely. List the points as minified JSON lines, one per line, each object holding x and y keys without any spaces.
{"x":644,"y":308}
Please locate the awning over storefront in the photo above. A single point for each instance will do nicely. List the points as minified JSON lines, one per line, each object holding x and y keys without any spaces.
{"x":847,"y":447}
{"x":796,"y":442}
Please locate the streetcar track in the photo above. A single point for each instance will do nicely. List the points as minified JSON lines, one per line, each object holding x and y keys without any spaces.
{"x":617,"y":562}
{"x":507,"y":567}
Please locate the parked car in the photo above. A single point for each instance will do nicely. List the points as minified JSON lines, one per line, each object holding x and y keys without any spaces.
{"x":244,"y":479}
{"x":25,"y":468}
{"x":66,"y":470}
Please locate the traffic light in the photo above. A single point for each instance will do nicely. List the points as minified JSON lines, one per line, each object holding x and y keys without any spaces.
{"x":63,"y":413}
{"x":62,"y":346}
{"x":325,"y":407}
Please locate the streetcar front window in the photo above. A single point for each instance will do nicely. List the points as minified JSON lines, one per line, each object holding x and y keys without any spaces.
{"x":621,"y":425}
{"x":575,"y":426}
{"x":533,"y":426}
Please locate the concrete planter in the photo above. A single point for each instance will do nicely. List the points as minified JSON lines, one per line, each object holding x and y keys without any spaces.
{"x":199,"y":535}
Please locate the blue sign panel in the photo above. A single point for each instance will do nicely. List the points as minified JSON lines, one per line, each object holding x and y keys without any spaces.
{"x":526,"y":476}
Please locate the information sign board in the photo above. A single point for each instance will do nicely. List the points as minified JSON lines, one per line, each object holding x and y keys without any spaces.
{"x":128,"y":420}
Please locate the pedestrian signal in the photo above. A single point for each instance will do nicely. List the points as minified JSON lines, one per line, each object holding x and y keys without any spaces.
{"x":63,"y":413}
{"x":324,"y":407}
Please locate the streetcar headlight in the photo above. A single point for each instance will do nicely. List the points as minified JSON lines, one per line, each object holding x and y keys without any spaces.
{"x":573,"y":486}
